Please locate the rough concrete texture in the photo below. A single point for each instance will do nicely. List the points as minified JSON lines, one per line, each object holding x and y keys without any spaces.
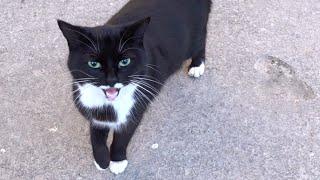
{"x":255,"y":114}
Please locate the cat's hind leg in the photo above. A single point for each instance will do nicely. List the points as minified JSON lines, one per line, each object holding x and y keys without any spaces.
{"x":196,"y":68}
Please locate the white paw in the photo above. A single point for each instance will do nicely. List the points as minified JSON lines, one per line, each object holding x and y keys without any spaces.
{"x":196,"y":71}
{"x":117,"y":167}
{"x":98,"y":167}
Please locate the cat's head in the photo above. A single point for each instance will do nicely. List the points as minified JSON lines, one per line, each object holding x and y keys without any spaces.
{"x":105,"y":60}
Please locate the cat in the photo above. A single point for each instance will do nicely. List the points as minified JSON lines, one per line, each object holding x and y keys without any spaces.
{"x":119,"y":68}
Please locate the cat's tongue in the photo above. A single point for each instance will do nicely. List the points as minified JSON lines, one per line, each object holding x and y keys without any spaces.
{"x":112,"y":93}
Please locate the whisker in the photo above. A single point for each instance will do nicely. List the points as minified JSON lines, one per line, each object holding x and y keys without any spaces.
{"x":86,"y":78}
{"x":148,"y":85}
{"x":85,"y":37}
{"x":86,"y":45}
{"x":130,"y":49}
{"x":143,"y":93}
{"x":152,"y":94}
{"x":152,"y":65}
{"x":141,"y":99}
{"x":128,"y":41}
{"x":132,"y":120}
{"x":146,"y":76}
{"x":59,"y":73}
{"x":79,"y":93}
{"x":121,"y":39}
{"x":72,"y":93}
{"x":74,"y":101}
{"x":153,"y":68}
{"x":98,"y":43}
{"x":75,"y":82}
{"x":141,"y":78}
{"x":81,"y":72}
{"x":78,"y":88}
{"x":154,"y":89}
{"x":91,"y":54}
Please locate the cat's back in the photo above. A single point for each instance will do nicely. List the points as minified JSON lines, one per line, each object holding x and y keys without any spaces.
{"x":169,"y":18}
{"x":177,"y":27}
{"x":161,"y":10}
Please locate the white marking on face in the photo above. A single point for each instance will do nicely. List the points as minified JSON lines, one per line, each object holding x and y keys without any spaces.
{"x":91,"y":96}
{"x":118,"y":85}
{"x":98,"y":167}
{"x":117,"y":167}
{"x":197,"y":71}
{"x":104,"y":87}
{"x":94,"y":97}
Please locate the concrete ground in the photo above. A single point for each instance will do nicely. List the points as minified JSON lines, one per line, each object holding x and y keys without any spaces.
{"x":255,"y":114}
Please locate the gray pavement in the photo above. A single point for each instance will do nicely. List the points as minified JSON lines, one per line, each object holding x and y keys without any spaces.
{"x":255,"y":114}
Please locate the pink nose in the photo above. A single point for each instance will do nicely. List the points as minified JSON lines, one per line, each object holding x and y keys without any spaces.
{"x":112,"y":93}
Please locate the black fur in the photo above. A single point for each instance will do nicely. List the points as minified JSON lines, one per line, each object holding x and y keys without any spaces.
{"x":160,"y":35}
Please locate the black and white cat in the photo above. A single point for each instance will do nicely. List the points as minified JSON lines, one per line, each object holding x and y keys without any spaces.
{"x":119,"y":68}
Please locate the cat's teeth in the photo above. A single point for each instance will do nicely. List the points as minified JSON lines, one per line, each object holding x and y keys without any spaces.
{"x":197,"y":71}
{"x":117,"y":167}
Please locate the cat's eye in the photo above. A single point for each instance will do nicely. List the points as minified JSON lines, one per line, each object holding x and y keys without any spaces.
{"x":124,"y":62}
{"x":94,"y":64}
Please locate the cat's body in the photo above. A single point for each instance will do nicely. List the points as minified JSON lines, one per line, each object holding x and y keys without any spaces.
{"x":120,"y":67}
{"x":176,"y":32}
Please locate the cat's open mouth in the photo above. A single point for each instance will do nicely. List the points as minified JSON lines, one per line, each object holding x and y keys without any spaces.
{"x":112,"y":93}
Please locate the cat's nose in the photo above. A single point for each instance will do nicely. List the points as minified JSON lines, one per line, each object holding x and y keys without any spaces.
{"x":112,"y":78}
{"x":112,"y":81}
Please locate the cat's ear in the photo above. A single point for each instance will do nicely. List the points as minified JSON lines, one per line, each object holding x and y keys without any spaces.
{"x":138,"y":28}
{"x":72,"y":33}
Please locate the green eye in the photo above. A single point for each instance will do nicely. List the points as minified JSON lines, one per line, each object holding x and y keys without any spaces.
{"x":124,"y":62}
{"x":94,"y":64}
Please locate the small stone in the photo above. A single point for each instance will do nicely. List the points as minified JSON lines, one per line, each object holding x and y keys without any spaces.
{"x":54,"y":129}
{"x":263,"y":29}
{"x":3,"y":150}
{"x":37,"y":73}
{"x":155,"y":146}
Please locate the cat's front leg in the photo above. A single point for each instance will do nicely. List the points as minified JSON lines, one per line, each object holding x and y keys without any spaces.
{"x":118,"y":148}
{"x":99,"y":147}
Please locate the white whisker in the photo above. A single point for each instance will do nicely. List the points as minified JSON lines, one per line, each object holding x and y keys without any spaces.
{"x":148,"y":85}
{"x":121,"y":40}
{"x":84,"y":79}
{"x":152,"y":65}
{"x":141,"y":99}
{"x":143,"y":94}
{"x":74,"y":83}
{"x":85,"y":37}
{"x":141,"y":75}
{"x":152,"y":94}
{"x":152,"y":68}
{"x":129,"y":49}
{"x":81,"y":72}
{"x":128,"y":41}
{"x":86,"y":45}
{"x":97,"y":38}
{"x":147,"y":79}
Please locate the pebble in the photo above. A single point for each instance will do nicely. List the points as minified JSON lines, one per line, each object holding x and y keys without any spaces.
{"x":54,"y":129}
{"x":155,"y":146}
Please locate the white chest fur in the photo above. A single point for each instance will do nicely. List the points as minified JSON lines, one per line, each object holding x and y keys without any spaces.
{"x":93,"y":97}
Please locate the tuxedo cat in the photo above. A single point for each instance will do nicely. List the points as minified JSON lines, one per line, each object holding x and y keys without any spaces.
{"x":118,"y":68}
